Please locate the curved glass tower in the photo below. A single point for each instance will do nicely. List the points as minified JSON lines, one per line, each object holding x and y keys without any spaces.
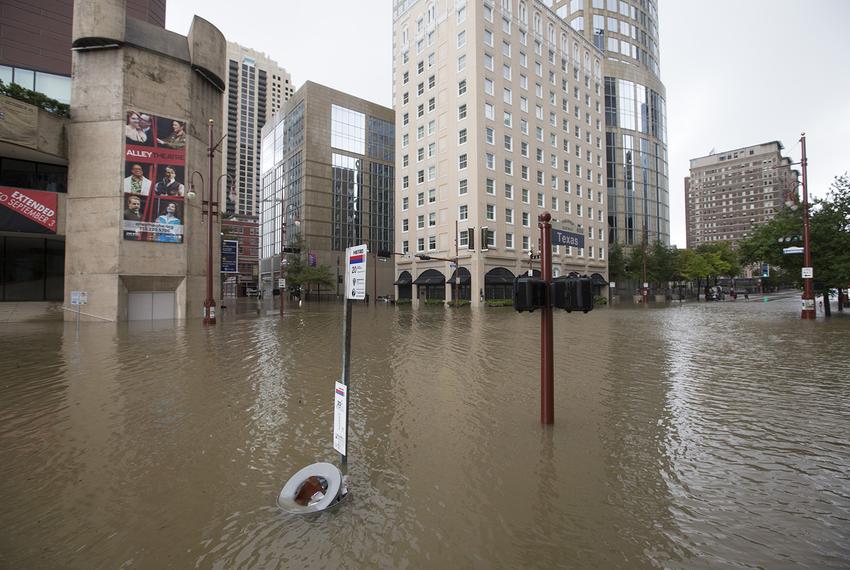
{"x":635,"y":114}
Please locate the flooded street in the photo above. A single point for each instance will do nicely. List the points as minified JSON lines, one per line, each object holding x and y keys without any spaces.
{"x":693,"y":436}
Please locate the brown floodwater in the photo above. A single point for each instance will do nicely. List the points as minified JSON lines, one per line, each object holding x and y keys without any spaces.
{"x":693,"y":436}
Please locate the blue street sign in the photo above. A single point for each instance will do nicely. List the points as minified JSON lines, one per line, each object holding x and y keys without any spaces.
{"x":562,"y":237}
{"x":230,"y":256}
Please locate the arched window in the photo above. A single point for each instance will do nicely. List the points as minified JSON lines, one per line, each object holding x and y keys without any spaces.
{"x":565,"y":50}
{"x":551,"y":31}
{"x":506,"y":6}
{"x":538,"y":27}
{"x":523,"y":13}
{"x":576,"y":58}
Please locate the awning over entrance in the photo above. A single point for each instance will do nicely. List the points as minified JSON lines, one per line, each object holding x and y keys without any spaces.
{"x":404,"y":278}
{"x":598,"y":280}
{"x":430,"y":277}
{"x":462,"y":275}
{"x":499,"y":276}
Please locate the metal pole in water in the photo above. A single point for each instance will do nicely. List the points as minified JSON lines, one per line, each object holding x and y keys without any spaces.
{"x":346,"y":373}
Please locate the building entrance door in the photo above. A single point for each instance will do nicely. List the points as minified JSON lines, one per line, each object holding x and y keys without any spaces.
{"x":150,"y":305}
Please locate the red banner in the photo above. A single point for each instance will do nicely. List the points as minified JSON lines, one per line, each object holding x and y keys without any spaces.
{"x":34,"y":205}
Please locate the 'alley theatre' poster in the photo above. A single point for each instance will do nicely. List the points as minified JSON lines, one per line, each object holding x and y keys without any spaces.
{"x":154,"y":178}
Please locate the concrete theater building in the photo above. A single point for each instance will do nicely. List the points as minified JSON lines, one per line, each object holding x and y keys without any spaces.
{"x":141,"y":100}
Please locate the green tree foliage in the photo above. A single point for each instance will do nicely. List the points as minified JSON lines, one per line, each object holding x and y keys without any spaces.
{"x":661,"y":264}
{"x":829,"y":236}
{"x":40,"y":100}
{"x":299,"y":274}
{"x":616,"y":263}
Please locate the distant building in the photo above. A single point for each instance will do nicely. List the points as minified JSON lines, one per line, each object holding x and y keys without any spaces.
{"x":327,"y":183}
{"x":257,"y":87}
{"x":499,"y":109}
{"x":729,"y":193}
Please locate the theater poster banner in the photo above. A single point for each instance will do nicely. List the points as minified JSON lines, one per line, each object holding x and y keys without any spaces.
{"x":31,"y":211}
{"x":154,"y":178}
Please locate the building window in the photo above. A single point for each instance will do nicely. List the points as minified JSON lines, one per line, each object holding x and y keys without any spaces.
{"x":461,"y":161}
{"x":463,"y":213}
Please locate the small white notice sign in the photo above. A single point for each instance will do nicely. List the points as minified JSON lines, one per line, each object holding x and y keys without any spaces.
{"x":808,"y":273}
{"x":79,"y":297}
{"x":340,"y":416}
{"x":355,"y":272}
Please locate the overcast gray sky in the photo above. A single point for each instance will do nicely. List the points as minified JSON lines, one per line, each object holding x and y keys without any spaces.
{"x":737,"y":72}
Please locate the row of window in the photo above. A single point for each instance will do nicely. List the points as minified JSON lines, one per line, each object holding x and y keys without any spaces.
{"x":593,"y":252}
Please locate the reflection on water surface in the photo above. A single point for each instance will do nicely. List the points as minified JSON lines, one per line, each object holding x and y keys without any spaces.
{"x":691,"y":436}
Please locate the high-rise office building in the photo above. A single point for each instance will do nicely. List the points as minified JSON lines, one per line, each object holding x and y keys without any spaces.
{"x":731,"y":192}
{"x":328,"y":171}
{"x":635,"y":114}
{"x":498,"y":107}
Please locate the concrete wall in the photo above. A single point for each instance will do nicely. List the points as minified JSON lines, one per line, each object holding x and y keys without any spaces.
{"x":145,"y":76}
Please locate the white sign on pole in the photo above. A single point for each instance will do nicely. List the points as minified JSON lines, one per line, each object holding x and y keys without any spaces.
{"x":340,"y":396}
{"x":280,"y":284}
{"x":612,"y":284}
{"x":355,"y":272}
{"x":79,"y":297}
{"x":808,"y":273}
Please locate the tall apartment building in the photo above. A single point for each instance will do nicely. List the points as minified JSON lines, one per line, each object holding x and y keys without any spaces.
{"x":498,"y":107}
{"x":635,"y":114}
{"x":257,"y":87}
{"x":729,"y":193}
{"x":328,"y":171}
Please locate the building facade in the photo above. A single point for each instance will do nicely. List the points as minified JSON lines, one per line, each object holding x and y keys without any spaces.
{"x":635,"y":114}
{"x":35,"y":53}
{"x":35,"y":41}
{"x":257,"y":87}
{"x":327,"y":184}
{"x":142,"y":101}
{"x":499,"y":110}
{"x":729,"y":193}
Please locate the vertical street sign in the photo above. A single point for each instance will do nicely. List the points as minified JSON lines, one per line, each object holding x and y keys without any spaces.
{"x":340,"y":417}
{"x":355,"y":272}
{"x":230,"y":256}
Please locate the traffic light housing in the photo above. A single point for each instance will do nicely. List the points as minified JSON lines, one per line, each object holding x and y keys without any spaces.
{"x":529,"y":293}
{"x":572,"y":294}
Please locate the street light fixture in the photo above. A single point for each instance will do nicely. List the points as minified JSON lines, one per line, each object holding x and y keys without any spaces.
{"x":209,"y":208}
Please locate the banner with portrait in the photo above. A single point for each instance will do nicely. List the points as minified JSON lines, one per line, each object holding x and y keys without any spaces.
{"x":154,"y":178}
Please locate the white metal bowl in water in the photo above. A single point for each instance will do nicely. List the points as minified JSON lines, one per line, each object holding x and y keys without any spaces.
{"x":313,"y":489}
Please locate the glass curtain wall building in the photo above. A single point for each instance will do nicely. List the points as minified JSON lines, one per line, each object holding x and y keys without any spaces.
{"x":327,"y":183}
{"x":635,"y":114}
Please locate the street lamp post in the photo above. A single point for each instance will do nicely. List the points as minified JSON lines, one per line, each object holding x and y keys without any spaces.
{"x":808,"y":301}
{"x":209,"y":208}
{"x":297,"y":222}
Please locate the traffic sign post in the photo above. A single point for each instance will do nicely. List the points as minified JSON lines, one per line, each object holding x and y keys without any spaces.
{"x":355,"y":288}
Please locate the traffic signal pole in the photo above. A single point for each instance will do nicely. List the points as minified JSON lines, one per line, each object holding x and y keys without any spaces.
{"x":547,"y":368}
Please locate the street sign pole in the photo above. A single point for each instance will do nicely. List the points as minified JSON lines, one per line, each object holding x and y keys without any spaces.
{"x":547,"y":368}
{"x":355,"y":288}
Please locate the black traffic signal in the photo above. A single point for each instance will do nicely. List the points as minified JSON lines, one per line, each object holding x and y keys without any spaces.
{"x":529,"y":293}
{"x":572,"y":294}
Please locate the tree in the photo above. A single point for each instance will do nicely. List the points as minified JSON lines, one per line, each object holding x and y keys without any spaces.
{"x":299,"y":274}
{"x":616,"y":263}
{"x":661,"y":267}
